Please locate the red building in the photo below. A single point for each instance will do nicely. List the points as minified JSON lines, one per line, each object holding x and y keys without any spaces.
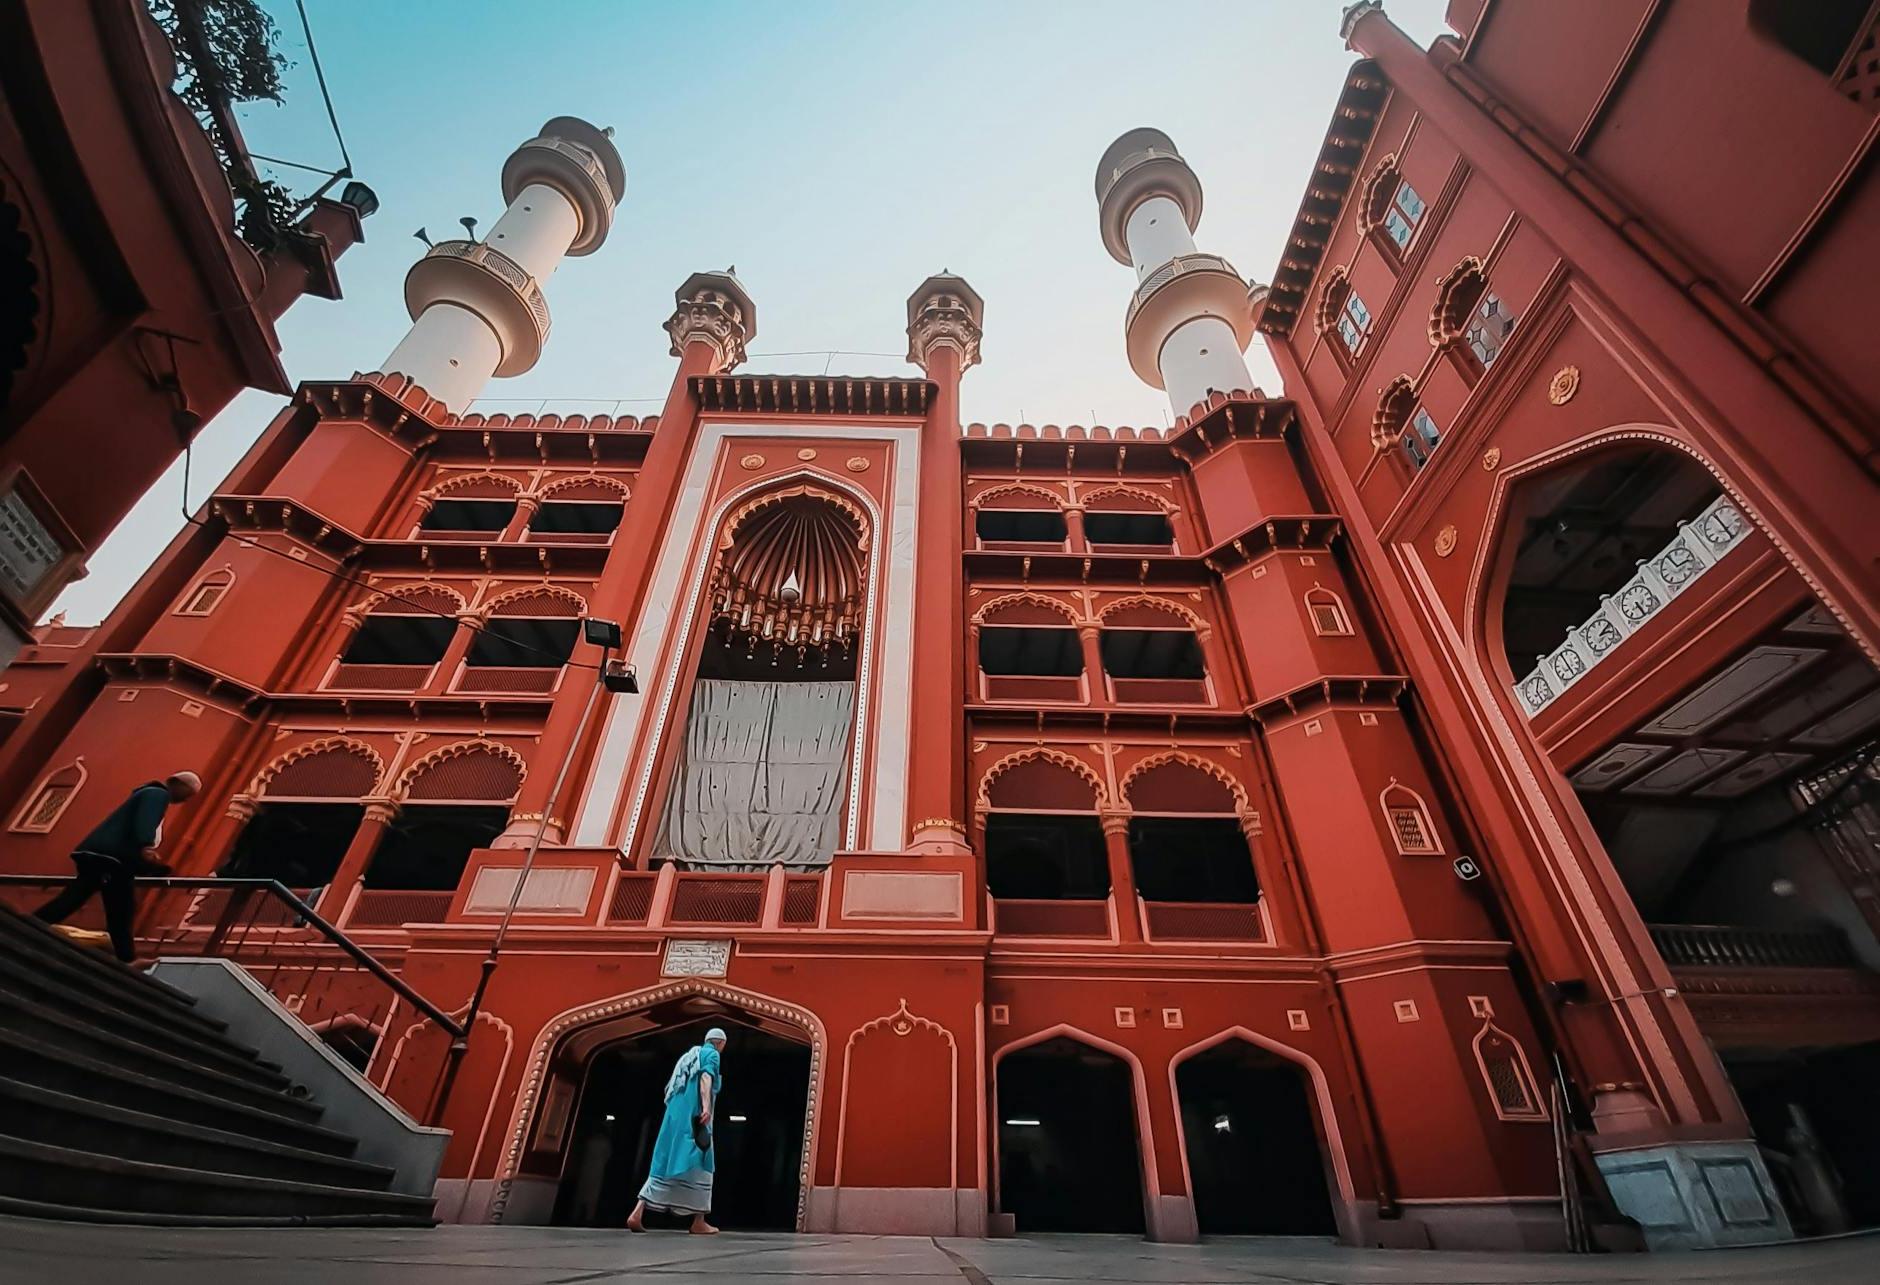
{"x":1346,"y":811}
{"x":134,"y":303}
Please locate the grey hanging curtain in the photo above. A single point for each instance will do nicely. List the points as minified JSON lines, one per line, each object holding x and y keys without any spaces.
{"x":762,"y":777}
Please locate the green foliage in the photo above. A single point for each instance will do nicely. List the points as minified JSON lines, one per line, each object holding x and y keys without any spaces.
{"x":225,"y":55}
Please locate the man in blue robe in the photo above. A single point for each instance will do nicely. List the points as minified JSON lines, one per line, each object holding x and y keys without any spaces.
{"x":681,"y":1178}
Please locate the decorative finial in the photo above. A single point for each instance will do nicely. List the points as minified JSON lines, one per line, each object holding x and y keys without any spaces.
{"x":423,"y":236}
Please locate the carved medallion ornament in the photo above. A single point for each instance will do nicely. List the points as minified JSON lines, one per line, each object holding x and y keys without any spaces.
{"x":806,"y":454}
{"x":1491,"y":458}
{"x":1446,"y":541}
{"x":751,"y":461}
{"x":1566,"y":384}
{"x":857,"y":464}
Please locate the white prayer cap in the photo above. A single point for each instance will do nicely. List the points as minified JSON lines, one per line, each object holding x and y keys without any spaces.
{"x":716,"y":1033}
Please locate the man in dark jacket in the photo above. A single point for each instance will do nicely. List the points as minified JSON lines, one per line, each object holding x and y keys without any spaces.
{"x":111,"y":857}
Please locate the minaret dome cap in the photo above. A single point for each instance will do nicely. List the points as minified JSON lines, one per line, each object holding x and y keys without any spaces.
{"x":1141,"y":164}
{"x":596,"y":140}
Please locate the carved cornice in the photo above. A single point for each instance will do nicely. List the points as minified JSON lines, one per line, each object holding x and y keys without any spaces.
{"x":1375,"y":690}
{"x":289,"y":517}
{"x":1315,"y":531}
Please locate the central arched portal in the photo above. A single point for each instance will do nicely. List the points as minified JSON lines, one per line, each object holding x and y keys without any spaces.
{"x":768,"y":754}
{"x":759,"y":1132}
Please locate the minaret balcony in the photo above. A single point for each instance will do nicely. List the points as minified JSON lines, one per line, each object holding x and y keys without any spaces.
{"x":1187,"y":287}
{"x":484,"y":280}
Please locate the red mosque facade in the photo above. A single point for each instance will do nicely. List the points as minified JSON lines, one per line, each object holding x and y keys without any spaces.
{"x":1342,"y":813}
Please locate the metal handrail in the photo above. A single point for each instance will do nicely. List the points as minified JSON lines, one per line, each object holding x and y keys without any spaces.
{"x":1731,"y":946}
{"x":302,"y":911}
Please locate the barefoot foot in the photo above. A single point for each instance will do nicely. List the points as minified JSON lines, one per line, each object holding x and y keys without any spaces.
{"x":702,"y":1228}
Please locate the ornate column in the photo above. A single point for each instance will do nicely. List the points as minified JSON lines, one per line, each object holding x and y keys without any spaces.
{"x":380,"y":813}
{"x":456,"y":650}
{"x":1091,"y":636}
{"x":526,"y":506}
{"x":713,"y":320}
{"x":943,"y":332}
{"x":1122,"y":877}
{"x":1078,"y":542}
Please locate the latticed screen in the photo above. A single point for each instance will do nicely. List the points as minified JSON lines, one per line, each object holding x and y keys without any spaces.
{"x":800,"y":896}
{"x":47,"y":807}
{"x":480,"y":775}
{"x":329,"y":774}
{"x":717,"y":900}
{"x":1328,"y":619}
{"x":1412,"y":829}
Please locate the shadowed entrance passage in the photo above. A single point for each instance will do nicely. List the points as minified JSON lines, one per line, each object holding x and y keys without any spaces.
{"x":758,"y":1131}
{"x":1068,"y":1159}
{"x":1253,"y":1152}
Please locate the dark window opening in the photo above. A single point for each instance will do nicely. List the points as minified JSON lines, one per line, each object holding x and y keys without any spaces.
{"x":1253,"y":1147}
{"x":1421,"y":438}
{"x":524,"y":642}
{"x":1128,"y":528}
{"x":576,"y":517}
{"x":299,"y":844}
{"x":1020,"y":526}
{"x":428,"y":846}
{"x":400,"y":640}
{"x":1040,"y":856}
{"x":1068,"y":1159}
{"x":1192,"y":859}
{"x":1031,"y":651}
{"x":469,"y":515}
{"x":1151,"y":653}
{"x":1816,"y":31}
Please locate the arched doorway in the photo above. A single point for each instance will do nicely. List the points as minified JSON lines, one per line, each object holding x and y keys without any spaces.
{"x":1721,"y":733}
{"x":1254,"y":1158}
{"x":1068,"y":1154}
{"x":759,"y":1132}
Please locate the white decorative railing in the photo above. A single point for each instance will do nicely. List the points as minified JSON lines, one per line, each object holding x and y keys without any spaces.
{"x":1180,"y":265}
{"x":1698,"y":546}
{"x":504,"y":269}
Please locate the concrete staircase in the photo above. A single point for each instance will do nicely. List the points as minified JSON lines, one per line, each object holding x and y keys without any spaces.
{"x":119,"y":1102}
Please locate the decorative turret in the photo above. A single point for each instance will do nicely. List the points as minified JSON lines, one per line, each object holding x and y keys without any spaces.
{"x":477,"y":306}
{"x":714,"y":308}
{"x":1189,"y":320}
{"x":945,"y":310}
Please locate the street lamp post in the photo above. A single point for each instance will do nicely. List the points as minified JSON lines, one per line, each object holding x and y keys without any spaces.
{"x":614,"y":675}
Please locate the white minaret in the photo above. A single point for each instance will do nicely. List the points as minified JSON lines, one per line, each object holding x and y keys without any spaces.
{"x":476,"y":306}
{"x":1189,"y":321}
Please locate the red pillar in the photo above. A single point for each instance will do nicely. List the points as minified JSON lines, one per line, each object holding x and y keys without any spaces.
{"x":714,"y":320}
{"x":380,"y":813}
{"x":1122,"y":878}
{"x":943,"y":329}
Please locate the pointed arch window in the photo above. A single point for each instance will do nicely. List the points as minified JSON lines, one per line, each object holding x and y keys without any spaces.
{"x":1327,"y":612}
{"x":1507,"y":1076}
{"x":1408,"y":818}
{"x":207,"y":593}
{"x":1470,"y":323}
{"x":1344,"y":313}
{"x":1392,"y":210}
{"x":51,"y":799}
{"x":1420,"y":438}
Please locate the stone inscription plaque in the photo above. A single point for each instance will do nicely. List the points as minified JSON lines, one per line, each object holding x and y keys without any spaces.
{"x":696,"y":959}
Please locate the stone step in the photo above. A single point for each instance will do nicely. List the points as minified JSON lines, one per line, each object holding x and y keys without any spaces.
{"x":36,"y":1062}
{"x":38,"y":1114}
{"x":27,"y":930}
{"x":76,"y":1034}
{"x":70,"y":1176}
{"x":120,"y":992}
{"x":215,"y":1052}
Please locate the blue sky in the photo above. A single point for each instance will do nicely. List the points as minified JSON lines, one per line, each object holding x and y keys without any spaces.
{"x":836,"y":153}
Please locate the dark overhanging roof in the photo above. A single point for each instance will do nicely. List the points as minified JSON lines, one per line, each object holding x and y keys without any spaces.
{"x":1354,"y":120}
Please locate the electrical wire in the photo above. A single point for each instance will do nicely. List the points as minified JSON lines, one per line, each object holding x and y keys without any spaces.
{"x":343,"y":578}
{"x":320,"y":75}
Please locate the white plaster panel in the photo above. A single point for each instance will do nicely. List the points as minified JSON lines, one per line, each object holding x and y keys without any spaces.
{"x":623,"y":760}
{"x":887,"y":894}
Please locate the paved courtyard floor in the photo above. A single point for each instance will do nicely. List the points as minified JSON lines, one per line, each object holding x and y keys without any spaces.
{"x":43,"y":1253}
